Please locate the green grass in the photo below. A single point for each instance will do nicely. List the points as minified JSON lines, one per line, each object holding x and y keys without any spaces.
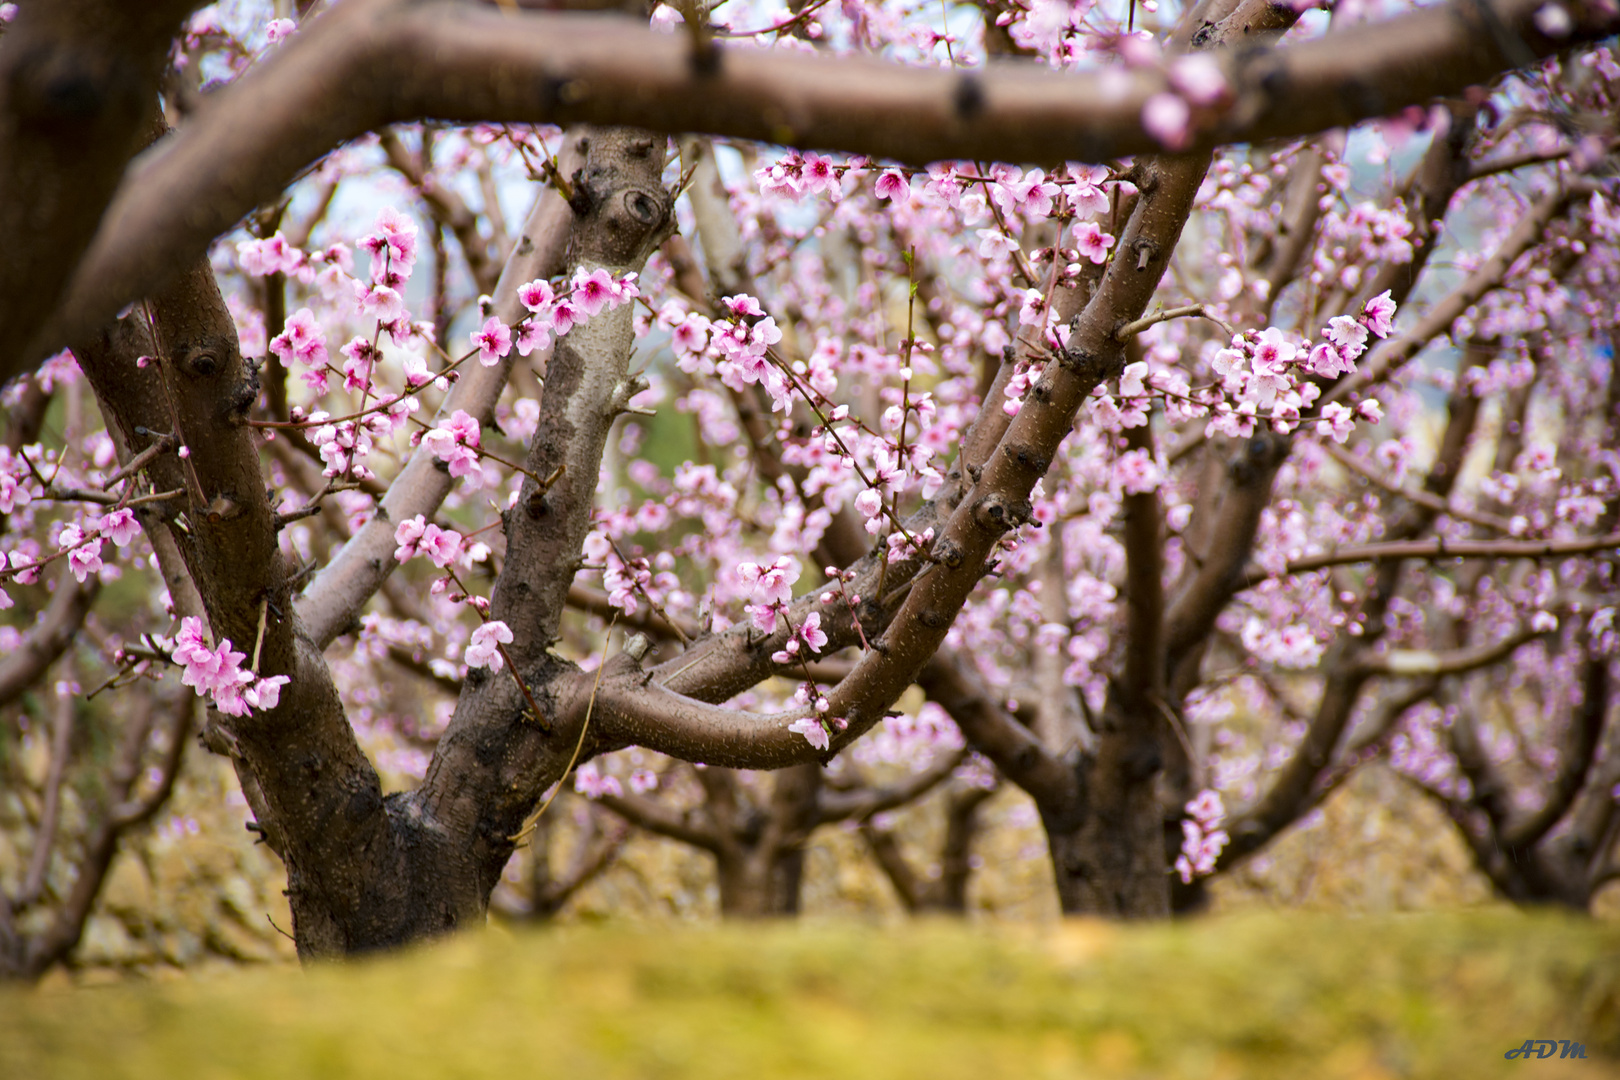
{"x":1251,"y":996}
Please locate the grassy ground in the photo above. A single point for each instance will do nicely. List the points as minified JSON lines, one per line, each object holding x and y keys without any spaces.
{"x":1257,"y":995}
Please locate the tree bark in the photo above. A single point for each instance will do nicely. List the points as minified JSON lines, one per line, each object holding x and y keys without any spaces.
{"x":761,"y":873}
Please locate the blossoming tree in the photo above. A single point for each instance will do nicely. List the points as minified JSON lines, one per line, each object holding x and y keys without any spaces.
{"x":1095,"y":450}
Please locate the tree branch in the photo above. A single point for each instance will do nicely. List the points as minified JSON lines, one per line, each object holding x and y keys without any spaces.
{"x":1441,"y":548}
{"x":990,"y":729}
{"x":661,"y":820}
{"x":1407,"y":662}
{"x":861,"y":803}
{"x":362,"y":66}
{"x":77,"y":82}
{"x":1423,"y":498}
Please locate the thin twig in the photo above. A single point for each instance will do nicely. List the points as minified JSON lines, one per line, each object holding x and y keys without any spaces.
{"x":1197,"y":311}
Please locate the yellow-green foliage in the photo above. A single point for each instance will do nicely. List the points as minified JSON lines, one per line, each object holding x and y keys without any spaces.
{"x":1233,"y":996}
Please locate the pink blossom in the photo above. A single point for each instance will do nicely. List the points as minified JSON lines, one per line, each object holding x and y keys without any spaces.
{"x":84,"y":555}
{"x":1203,"y":839}
{"x":742,"y":304}
{"x":392,"y":247}
{"x":416,"y":370}
{"x":773,"y":581}
{"x":302,"y":340}
{"x":869,"y":503}
{"x":591,"y":782}
{"x":215,"y":672}
{"x":536,"y":296}
{"x":817,"y":175}
{"x":1348,"y":334}
{"x":406,"y":535}
{"x":14,"y":491}
{"x":811,"y":633}
{"x":1328,"y":361}
{"x":360,"y":355}
{"x":892,"y":185}
{"x":565,"y":315}
{"x":21,"y":561}
{"x":763,"y":616}
{"x":691,"y":335}
{"x":814,"y":734}
{"x":455,"y":443}
{"x":1379,"y":314}
{"x":1131,"y":380}
{"x":1033,"y":311}
{"x":1337,"y":421}
{"x":463,"y":427}
{"x":484,"y":648}
{"x":531,"y":336}
{"x":993,"y":242}
{"x":379,"y":302}
{"x":1092,"y":242}
{"x":440,"y":545}
{"x":120,"y":526}
{"x":272,"y":255}
{"x":1086,"y":196}
{"x":1137,"y":472}
{"x":266,"y":693}
{"x":493,"y":341}
{"x":593,"y":291}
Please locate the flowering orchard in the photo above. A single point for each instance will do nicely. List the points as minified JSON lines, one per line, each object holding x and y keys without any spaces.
{"x":986,"y":424}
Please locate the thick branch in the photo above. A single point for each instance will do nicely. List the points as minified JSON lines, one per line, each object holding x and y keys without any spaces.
{"x":324,"y":798}
{"x":364,"y":65}
{"x":992,"y":731}
{"x":1212,"y":581}
{"x":78,"y":79}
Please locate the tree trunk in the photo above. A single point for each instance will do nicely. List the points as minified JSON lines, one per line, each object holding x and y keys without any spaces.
{"x":761,"y":873}
{"x":1108,"y":850}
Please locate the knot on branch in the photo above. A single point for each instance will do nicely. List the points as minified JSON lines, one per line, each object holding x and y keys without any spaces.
{"x":223,"y":508}
{"x":1029,"y":459}
{"x":202,"y":363}
{"x":1084,"y":364}
{"x":1146,"y":251}
{"x":621,"y":209}
{"x":997,"y":513}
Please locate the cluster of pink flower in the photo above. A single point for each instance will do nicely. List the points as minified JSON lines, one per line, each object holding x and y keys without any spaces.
{"x":1202,"y":837}
{"x":217,"y":673}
